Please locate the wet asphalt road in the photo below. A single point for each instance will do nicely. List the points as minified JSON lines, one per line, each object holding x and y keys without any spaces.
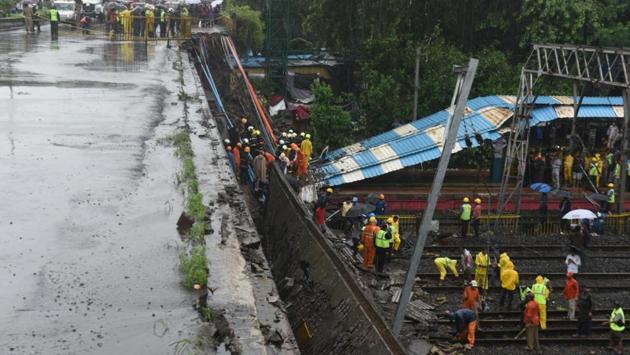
{"x":89,"y":198}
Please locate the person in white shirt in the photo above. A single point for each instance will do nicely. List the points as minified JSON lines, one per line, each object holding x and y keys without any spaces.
{"x":573,"y":261}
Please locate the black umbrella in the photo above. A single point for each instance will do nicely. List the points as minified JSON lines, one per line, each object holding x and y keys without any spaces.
{"x":359,"y":210}
{"x":598,"y":197}
{"x":373,"y":197}
{"x":561,"y":193}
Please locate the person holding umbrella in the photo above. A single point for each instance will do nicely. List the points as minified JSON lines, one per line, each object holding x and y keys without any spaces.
{"x":565,"y":207}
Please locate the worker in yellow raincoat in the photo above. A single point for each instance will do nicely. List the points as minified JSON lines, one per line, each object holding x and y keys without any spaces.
{"x":441,"y":263}
{"x":482,"y":262}
{"x":397,"y":233}
{"x":541,"y":294}
{"x":307,"y":146}
{"x":149,"y":31}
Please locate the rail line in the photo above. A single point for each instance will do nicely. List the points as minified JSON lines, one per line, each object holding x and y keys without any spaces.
{"x":509,"y":247}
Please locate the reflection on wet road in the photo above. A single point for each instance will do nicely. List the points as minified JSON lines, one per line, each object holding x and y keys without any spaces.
{"x":89,"y":199}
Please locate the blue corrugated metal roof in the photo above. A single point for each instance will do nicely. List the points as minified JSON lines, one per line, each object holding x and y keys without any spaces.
{"x":415,"y":143}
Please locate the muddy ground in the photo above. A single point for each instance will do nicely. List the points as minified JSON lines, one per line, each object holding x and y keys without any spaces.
{"x":90,"y":198}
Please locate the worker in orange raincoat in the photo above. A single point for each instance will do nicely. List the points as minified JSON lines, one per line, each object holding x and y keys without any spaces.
{"x":301,"y":164}
{"x":236,"y":152}
{"x":472,"y":298}
{"x":367,"y":239}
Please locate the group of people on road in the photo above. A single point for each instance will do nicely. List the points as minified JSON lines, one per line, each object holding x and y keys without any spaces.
{"x":533,"y":299}
{"x":144,"y":21}
{"x":31,"y":18}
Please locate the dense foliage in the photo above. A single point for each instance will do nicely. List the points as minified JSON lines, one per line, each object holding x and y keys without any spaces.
{"x":378,"y":38}
{"x":331,"y":124}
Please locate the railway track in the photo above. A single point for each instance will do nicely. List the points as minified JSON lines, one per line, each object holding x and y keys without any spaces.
{"x":452,"y":288}
{"x":550,"y":275}
{"x":513,"y":247}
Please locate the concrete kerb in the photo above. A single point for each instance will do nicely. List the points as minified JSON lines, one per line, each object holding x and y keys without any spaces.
{"x":240,"y":278}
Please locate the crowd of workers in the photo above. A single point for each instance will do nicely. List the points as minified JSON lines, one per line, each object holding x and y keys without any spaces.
{"x":133,"y":21}
{"x":250,"y":159}
{"x":533,"y":299}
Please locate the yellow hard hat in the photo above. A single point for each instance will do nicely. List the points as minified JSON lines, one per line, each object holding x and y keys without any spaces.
{"x":329,"y":190}
{"x":372,"y":219}
{"x":594,"y":159}
{"x":466,"y":199}
{"x":390,"y":220}
{"x":477,"y":200}
{"x":611,"y":185}
{"x":382,"y":197}
{"x":360,"y":247}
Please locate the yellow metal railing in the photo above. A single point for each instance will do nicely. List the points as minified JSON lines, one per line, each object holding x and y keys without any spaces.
{"x":510,"y":223}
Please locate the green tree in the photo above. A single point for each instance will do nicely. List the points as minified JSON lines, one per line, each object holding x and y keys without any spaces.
{"x":247,"y":27}
{"x":331,"y":124}
{"x":615,"y":28}
{"x":495,"y":75}
{"x":559,"y":21}
{"x":7,"y":5}
{"x":381,"y":103}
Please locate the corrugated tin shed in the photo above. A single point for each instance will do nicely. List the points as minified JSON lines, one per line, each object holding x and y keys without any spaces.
{"x":422,"y":140}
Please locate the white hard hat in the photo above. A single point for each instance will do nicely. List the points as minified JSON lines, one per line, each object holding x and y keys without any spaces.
{"x":281,"y":142}
{"x":245,"y":140}
{"x":284,"y":147}
{"x":473,"y":283}
{"x":250,"y":128}
{"x":227,"y":141}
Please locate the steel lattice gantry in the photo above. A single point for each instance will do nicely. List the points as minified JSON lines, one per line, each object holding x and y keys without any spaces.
{"x":277,"y":43}
{"x":598,"y":66}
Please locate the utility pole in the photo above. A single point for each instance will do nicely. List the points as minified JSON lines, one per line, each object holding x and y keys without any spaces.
{"x":416,"y":83}
{"x":574,"y":120}
{"x":465,"y":77}
{"x":625,"y":147}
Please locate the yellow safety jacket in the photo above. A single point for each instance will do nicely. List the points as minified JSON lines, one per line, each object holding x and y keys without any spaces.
{"x":613,"y":325}
{"x":611,"y":196}
{"x":381,"y":241}
{"x":466,"y":212}
{"x":54,"y":15}
{"x":540,"y":293}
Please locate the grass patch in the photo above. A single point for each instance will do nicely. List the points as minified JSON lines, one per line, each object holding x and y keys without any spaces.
{"x":195,"y":207}
{"x":182,"y":144}
{"x":190,"y":346}
{"x":194,"y":266}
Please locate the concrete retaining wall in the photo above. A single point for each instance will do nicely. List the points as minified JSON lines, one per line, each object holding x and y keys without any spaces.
{"x":334,"y":315}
